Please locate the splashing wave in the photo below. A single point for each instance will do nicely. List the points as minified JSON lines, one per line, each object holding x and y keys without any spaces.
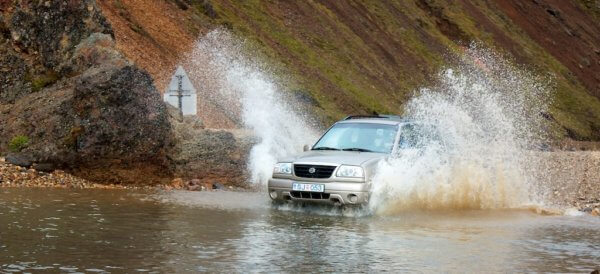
{"x":247,"y":92}
{"x":488,"y":114}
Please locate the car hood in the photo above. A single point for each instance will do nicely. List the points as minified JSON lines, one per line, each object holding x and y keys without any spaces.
{"x":334,"y":157}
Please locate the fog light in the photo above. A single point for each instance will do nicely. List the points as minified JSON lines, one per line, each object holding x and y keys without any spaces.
{"x":353,"y":198}
{"x":273,"y":194}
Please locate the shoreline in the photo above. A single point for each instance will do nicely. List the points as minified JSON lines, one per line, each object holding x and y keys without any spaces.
{"x":575,"y":184}
{"x":13,"y":176}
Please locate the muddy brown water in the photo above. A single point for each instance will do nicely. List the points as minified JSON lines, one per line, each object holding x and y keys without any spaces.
{"x":123,"y":231}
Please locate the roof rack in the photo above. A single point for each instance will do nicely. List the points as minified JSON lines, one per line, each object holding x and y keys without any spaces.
{"x":379,"y":116}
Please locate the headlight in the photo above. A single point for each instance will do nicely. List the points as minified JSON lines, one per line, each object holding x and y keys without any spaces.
{"x":282,"y":168}
{"x":350,"y":171}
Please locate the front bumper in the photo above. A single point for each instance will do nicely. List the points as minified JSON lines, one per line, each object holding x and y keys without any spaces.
{"x":344,"y":193}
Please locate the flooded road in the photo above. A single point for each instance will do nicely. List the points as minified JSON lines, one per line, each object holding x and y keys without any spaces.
{"x":125,"y":231}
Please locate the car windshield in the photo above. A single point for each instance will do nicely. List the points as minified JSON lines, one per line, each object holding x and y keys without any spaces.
{"x":363,"y":137}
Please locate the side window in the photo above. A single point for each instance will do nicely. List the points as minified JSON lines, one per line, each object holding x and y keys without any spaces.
{"x":418,"y":136}
{"x":409,"y":136}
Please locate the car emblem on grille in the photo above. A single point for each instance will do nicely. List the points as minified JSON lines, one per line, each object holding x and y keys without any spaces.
{"x":312,"y":170}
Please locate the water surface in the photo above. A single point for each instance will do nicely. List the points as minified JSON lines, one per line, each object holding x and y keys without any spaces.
{"x":125,"y":231}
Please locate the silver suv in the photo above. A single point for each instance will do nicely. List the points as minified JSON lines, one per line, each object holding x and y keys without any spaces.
{"x":339,"y":168}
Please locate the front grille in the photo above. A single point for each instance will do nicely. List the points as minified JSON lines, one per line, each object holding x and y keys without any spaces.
{"x":320,"y":171}
{"x":310,"y":195}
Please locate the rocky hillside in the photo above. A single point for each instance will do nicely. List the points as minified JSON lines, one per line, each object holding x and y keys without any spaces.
{"x":364,"y":56}
{"x":70,"y":100}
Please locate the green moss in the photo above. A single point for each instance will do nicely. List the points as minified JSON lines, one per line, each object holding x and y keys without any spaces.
{"x":38,"y":82}
{"x":121,"y":9}
{"x":577,"y":112}
{"x":591,"y":6}
{"x":18,"y":143}
{"x":141,"y":31}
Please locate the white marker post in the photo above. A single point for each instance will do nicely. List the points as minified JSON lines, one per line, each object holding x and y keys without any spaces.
{"x":181,"y":93}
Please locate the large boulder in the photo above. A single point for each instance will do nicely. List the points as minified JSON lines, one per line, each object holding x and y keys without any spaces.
{"x":81,"y":104}
{"x":209,"y":155}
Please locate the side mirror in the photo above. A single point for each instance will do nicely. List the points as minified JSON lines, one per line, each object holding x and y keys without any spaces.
{"x":306,"y":148}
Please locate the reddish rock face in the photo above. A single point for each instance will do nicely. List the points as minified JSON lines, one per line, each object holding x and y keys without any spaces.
{"x":565,"y":30}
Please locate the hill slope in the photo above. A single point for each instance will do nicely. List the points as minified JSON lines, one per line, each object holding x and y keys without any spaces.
{"x":364,"y":56}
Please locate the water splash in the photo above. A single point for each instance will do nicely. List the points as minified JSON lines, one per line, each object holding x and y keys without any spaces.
{"x":488,"y":117}
{"x":248,"y":94}
{"x":486,"y":111}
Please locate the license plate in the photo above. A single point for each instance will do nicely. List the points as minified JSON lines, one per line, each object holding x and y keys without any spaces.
{"x":308,"y":187}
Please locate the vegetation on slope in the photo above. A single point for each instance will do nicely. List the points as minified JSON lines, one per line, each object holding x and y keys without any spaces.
{"x":365,"y":56}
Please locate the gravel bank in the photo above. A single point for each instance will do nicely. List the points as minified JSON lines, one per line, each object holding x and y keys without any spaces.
{"x":572,"y":178}
{"x":15,"y":176}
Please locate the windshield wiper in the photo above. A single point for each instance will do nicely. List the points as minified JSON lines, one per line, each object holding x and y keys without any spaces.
{"x":325,"y":148}
{"x":356,"y":149}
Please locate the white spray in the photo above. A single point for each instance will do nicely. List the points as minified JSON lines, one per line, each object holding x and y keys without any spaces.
{"x":488,"y":116}
{"x":248,"y":92}
{"x":486,"y":111}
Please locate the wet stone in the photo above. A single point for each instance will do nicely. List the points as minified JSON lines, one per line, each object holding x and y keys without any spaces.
{"x":19,"y":160}
{"x":218,"y":186}
{"x":45,"y":167}
{"x":193,"y":185}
